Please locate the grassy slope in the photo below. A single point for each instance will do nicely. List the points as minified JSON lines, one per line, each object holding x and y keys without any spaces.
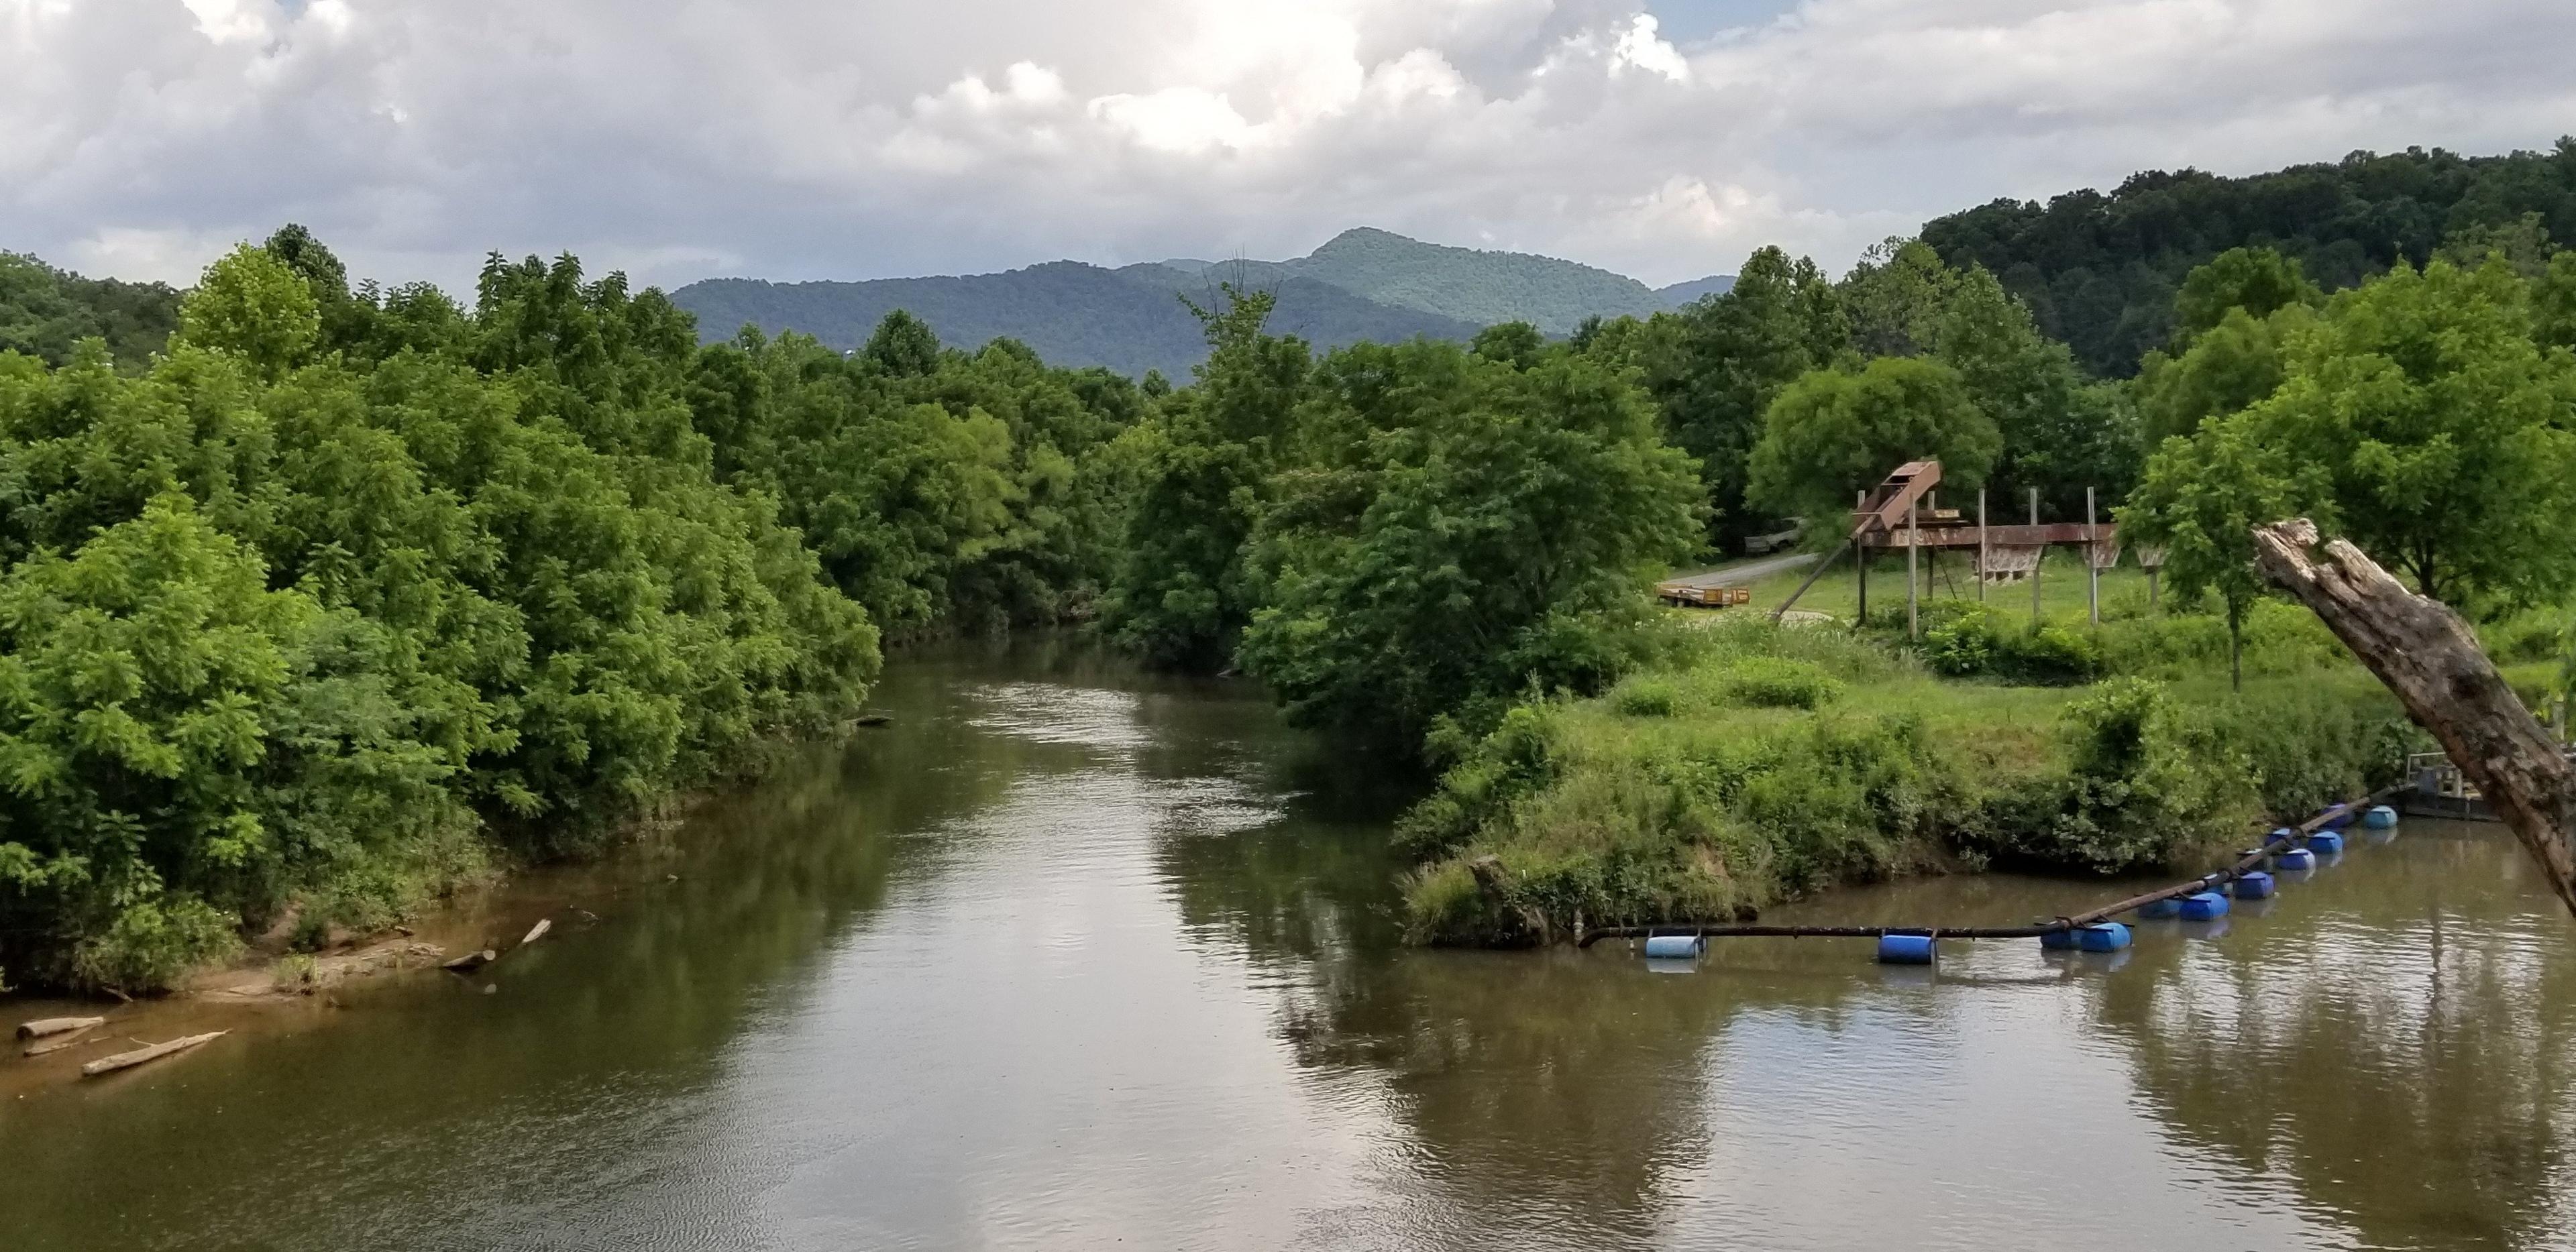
{"x":1681,"y":795}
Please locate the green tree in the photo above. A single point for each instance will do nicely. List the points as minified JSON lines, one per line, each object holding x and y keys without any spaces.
{"x":1715,"y":367}
{"x":2258,"y":281}
{"x":1203,"y":463}
{"x":2201,"y":499}
{"x":903,"y":346}
{"x":1896,"y":298}
{"x":2058,"y":434}
{"x":2523,"y":244}
{"x":256,"y":307}
{"x":1492,"y":532}
{"x":2442,"y":429}
{"x":1835,"y":432}
{"x":2229,"y":366}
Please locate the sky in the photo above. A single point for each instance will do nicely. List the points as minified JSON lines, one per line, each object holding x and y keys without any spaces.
{"x":793,"y":139}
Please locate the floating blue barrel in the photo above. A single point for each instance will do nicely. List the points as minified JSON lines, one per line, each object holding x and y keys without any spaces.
{"x":1673,"y":947}
{"x":2202,"y":906}
{"x":2325,"y":843}
{"x":2295,"y":858}
{"x":2102,"y":937}
{"x":2058,"y":941}
{"x":2255,"y":885}
{"x":1905,"y":949}
{"x":2280,"y":834}
{"x":2380,"y":817}
{"x":2339,"y":816}
{"x":2156,"y":911}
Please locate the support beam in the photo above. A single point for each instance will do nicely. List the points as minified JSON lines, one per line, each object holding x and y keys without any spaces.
{"x":1982,"y":550}
{"x":2431,"y":660}
{"x":1913,"y":531}
{"x":2034,"y":566}
{"x":1860,"y":557}
{"x":2092,"y":567}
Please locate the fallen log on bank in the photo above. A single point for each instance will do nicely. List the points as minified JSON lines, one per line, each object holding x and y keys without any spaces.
{"x":470,"y":962}
{"x":149,"y":1052}
{"x":43,"y":1026}
{"x":2428,"y":656}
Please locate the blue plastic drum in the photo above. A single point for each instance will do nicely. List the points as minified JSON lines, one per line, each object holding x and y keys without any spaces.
{"x":2380,"y":817}
{"x":2255,"y":885}
{"x":2102,"y":937}
{"x":2160,"y":909}
{"x":2203,"y":906}
{"x":2325,"y":843}
{"x":1673,"y":947}
{"x":2295,"y":859}
{"x":1905,"y":949}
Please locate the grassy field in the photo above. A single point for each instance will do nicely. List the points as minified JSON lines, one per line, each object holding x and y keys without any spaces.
{"x":1949,"y":576}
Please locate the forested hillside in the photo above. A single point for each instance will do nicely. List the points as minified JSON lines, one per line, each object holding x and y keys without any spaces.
{"x":2100,"y":270}
{"x":44,"y":312}
{"x":1476,"y":286}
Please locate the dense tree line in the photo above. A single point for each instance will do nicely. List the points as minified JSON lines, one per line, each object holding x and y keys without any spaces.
{"x":2100,"y":270}
{"x":347,"y":595}
{"x":1793,"y":390}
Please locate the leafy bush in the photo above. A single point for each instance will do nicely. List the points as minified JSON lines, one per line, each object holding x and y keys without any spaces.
{"x":1766,"y":682}
{"x":1646,"y":697}
{"x":1969,"y":639}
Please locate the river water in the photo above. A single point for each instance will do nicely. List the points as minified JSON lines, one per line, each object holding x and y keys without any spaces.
{"x":1072,"y":958}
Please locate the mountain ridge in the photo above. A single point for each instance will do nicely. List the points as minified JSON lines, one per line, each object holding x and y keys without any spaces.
{"x":1363,"y":284}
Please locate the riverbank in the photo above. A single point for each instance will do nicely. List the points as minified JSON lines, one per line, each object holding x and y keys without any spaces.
{"x":1769,"y":764}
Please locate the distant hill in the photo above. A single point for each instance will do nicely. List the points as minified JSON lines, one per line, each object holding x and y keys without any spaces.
{"x":1364,"y":284}
{"x":1680,"y":294}
{"x":1473,"y":285}
{"x":2099,"y":269}
{"x":45,"y":312}
{"x":1072,"y":314}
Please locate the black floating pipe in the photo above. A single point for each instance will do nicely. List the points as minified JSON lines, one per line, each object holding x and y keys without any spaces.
{"x":2220,"y":878}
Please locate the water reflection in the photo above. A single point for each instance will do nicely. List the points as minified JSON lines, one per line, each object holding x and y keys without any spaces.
{"x":1069,"y":957}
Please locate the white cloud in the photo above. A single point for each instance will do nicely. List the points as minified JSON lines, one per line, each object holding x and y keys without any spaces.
{"x":803,"y":138}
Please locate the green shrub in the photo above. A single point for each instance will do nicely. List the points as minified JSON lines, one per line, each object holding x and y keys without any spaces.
{"x":1968,"y":639}
{"x":150,"y":945}
{"x":1646,"y":697}
{"x":1765,"y":682}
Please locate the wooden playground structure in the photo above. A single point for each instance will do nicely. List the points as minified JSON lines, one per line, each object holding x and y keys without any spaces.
{"x":1904,"y":512}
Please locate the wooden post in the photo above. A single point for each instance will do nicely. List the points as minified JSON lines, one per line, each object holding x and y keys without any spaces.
{"x":1985,"y":560}
{"x":2431,"y":660}
{"x":1860,"y":557}
{"x":1913,"y":544}
{"x":2092,"y":564}
{"x":2040,"y":560}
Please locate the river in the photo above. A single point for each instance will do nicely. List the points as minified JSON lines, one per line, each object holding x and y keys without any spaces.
{"x":1069,"y":957}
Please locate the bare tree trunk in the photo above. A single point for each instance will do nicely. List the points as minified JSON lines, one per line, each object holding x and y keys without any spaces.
{"x":2429,"y":658}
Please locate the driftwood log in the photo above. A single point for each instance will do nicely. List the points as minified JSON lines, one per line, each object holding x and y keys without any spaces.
{"x":44,"y":1026}
{"x":149,"y":1052}
{"x":2429,"y":657}
{"x":538,"y":931}
{"x":72,"y":1038}
{"x":471,"y":962}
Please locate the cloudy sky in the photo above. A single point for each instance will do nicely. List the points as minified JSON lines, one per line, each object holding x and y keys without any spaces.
{"x":829,"y":138}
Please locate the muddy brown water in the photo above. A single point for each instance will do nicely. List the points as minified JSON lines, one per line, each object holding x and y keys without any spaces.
{"x":1073,"y":958}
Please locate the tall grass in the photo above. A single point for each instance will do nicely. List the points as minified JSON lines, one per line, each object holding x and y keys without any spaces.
{"x":1764,"y":763}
